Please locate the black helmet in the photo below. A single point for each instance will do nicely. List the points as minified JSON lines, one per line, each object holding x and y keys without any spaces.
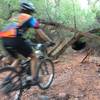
{"x":28,"y":7}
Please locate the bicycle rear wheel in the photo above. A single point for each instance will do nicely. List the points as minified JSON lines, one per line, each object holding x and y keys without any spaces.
{"x":9,"y":83}
{"x":45,"y":73}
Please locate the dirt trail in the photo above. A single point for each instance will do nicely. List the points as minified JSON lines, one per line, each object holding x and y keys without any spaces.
{"x":74,"y":80}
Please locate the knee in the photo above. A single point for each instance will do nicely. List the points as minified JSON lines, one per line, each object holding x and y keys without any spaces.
{"x":7,"y":60}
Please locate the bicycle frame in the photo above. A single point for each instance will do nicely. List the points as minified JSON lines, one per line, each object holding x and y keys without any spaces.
{"x":25,"y":71}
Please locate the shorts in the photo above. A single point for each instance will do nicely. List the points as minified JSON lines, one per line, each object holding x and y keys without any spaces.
{"x":16,"y":46}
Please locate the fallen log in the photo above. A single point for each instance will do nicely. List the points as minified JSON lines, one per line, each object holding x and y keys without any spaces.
{"x":70,"y":29}
{"x":63,"y":46}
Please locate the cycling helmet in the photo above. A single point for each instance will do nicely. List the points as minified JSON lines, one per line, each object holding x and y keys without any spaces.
{"x":28,"y":7}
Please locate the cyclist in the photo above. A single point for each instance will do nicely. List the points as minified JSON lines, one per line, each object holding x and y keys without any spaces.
{"x":14,"y":42}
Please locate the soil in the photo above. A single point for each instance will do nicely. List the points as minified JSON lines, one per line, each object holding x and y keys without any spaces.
{"x":73,"y":80}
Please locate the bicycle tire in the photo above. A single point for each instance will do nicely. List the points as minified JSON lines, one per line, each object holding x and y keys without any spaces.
{"x":9,"y":89}
{"x":49,"y":82}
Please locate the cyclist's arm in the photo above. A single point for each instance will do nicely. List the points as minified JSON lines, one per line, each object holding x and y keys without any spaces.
{"x":35,"y":24}
{"x":43,"y":35}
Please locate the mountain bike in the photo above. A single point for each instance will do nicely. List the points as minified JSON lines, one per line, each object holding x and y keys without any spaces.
{"x":17,"y":82}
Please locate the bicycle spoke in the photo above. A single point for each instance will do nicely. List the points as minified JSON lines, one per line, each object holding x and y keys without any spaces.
{"x":45,"y":69}
{"x":46,"y":73}
{"x":9,"y":81}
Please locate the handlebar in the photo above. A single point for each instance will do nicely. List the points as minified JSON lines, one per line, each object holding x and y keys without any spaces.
{"x":45,"y":45}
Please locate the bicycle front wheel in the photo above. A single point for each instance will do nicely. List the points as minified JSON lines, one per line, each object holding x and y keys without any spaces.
{"x":45,"y":73}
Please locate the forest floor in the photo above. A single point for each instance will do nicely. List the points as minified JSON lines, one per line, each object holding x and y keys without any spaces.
{"x":73,"y":80}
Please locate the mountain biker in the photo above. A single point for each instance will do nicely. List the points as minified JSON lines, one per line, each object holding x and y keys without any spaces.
{"x":12,"y":36}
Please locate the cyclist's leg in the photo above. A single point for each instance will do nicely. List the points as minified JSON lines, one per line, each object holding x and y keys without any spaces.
{"x":33,"y":65}
{"x":9,"y":45}
{"x":16,"y":59}
{"x":7,"y":60}
{"x":27,"y":51}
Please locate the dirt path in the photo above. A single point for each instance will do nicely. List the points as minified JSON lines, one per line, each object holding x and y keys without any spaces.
{"x":73,"y":80}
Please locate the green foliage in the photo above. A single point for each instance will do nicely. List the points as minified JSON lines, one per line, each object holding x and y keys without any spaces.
{"x":68,"y":12}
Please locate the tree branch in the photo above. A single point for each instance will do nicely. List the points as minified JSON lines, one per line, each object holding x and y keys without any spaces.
{"x":56,"y":24}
